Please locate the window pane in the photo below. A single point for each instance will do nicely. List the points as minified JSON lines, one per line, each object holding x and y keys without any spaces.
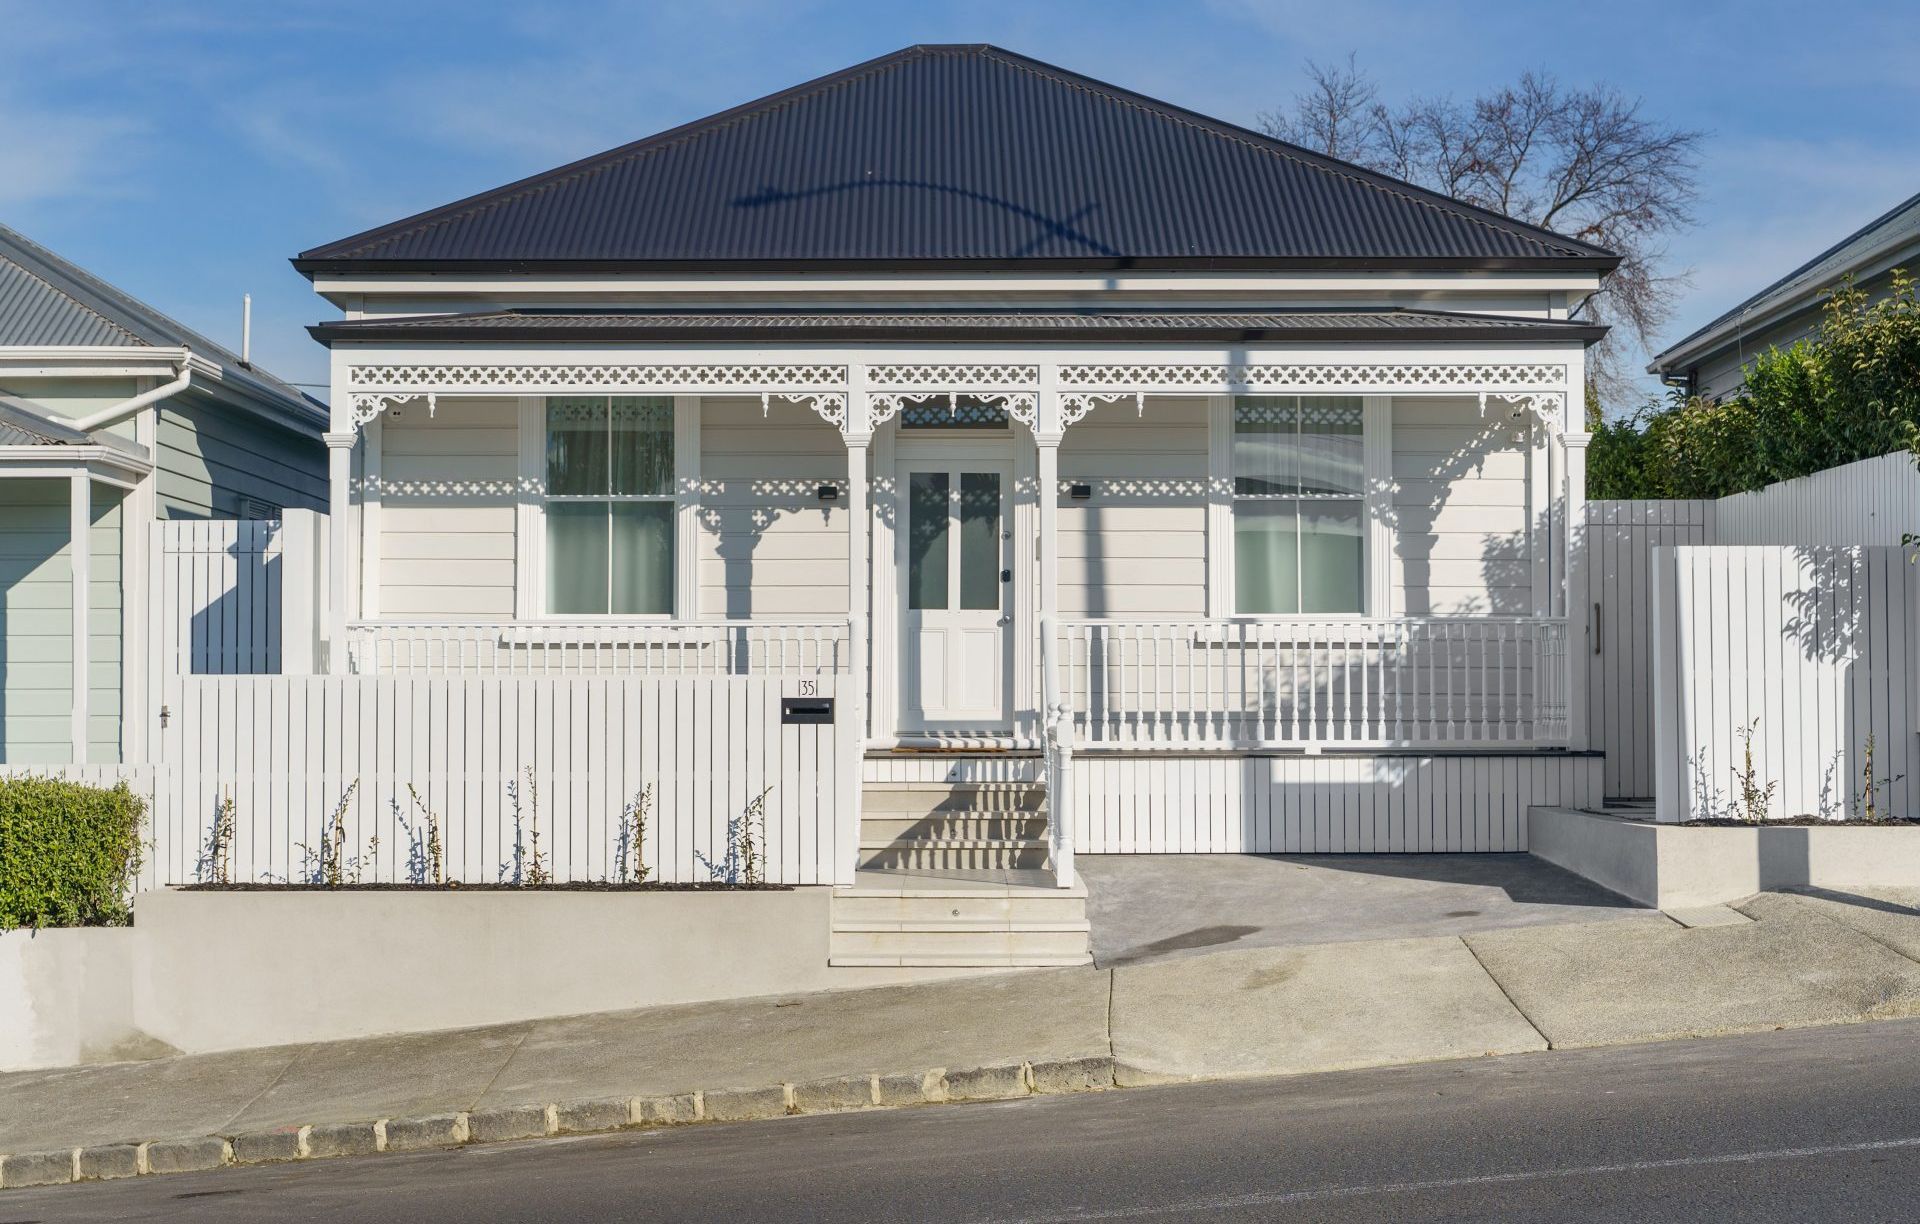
{"x":1265,"y":445}
{"x":927,"y":540}
{"x":576,"y":445}
{"x":642,"y":445}
{"x":980,"y":540}
{"x":1330,"y":557}
{"x":1330,"y":459}
{"x":1265,"y":560}
{"x":643,"y":558}
{"x":577,"y":558}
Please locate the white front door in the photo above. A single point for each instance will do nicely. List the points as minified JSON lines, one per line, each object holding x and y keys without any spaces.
{"x":956,"y":583}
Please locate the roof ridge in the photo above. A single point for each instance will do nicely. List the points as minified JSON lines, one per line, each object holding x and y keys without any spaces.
{"x":1324,"y":163}
{"x":621,"y":155}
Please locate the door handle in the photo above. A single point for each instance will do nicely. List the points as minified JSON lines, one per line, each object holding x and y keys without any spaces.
{"x":1006,"y":575}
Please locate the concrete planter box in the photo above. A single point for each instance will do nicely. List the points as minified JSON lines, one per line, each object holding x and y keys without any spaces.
{"x":66,"y":996}
{"x":222,"y":970}
{"x":1671,"y":866}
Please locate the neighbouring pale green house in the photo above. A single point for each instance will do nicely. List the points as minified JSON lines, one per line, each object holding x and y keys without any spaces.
{"x":112,"y":415}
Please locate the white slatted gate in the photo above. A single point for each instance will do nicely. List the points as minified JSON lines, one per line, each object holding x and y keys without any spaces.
{"x":1621,"y":536}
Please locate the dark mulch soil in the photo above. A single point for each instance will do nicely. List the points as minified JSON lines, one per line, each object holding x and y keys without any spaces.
{"x":584,"y":886}
{"x":1797,"y":822}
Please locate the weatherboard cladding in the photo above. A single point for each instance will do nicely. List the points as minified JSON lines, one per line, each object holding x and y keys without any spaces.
{"x":946,"y":326}
{"x":957,"y":154}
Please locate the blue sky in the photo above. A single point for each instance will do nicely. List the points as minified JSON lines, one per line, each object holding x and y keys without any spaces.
{"x":184,"y":150}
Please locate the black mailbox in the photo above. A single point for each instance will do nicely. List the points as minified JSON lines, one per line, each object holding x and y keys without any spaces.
{"x":806,"y":709}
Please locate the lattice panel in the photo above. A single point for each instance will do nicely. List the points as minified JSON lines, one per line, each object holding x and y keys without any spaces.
{"x":445,"y":378}
{"x":970,"y":377}
{"x":1215,"y":376}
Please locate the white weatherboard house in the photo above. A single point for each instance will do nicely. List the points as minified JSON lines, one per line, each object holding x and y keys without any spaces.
{"x":995,"y":463}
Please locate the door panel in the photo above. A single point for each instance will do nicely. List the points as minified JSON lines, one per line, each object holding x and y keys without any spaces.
{"x":956,"y":575}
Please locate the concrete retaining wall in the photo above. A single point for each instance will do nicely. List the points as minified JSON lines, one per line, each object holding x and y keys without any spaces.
{"x":221,"y":970}
{"x":66,"y":996}
{"x":205,"y":971}
{"x":1675,"y":866}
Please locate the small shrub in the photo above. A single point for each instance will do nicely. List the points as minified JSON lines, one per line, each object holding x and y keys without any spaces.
{"x":1755,"y":799}
{"x":329,"y":867}
{"x":633,"y":836}
{"x":745,"y":860}
{"x":1867,"y":805}
{"x":68,"y":853}
{"x":216,"y":861}
{"x":426,"y":858}
{"x":536,"y":865}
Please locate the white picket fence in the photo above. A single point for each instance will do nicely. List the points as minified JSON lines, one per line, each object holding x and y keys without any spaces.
{"x":1621,"y":537}
{"x":288,"y":750}
{"x":1813,"y":651}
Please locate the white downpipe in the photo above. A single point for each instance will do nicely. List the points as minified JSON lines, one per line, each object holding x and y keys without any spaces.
{"x":1056,"y":737}
{"x":126,"y":408}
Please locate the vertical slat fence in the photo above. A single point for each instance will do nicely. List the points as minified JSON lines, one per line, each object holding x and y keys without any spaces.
{"x":288,"y":750}
{"x":1808,"y":652}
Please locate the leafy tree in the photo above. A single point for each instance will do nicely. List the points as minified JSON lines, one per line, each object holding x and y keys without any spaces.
{"x":1849,"y":392}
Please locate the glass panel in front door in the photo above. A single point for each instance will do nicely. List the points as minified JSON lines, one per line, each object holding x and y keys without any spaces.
{"x":980,"y":541}
{"x":927,"y":533}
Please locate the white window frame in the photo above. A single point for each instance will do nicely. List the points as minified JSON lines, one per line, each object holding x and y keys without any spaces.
{"x":1376,"y":496}
{"x":530,"y":575}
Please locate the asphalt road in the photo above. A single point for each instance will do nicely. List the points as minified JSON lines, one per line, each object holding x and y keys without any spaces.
{"x":1819,"y":1124}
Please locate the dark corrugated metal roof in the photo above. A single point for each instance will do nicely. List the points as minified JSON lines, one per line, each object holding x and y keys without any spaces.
{"x":954,"y":326}
{"x":956,"y":155}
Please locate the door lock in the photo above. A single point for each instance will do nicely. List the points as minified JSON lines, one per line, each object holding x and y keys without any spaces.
{"x":1006,"y":575}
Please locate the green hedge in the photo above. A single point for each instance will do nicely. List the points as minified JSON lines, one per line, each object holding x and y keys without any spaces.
{"x":1850,"y":392}
{"x":68,"y":853}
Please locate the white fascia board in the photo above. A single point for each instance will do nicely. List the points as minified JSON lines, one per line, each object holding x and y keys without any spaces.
{"x":347,"y":291}
{"x":91,"y":361}
{"x":349,"y":353}
{"x":105,"y":464}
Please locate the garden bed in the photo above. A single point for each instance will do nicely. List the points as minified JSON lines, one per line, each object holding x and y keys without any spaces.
{"x":1713,"y":862}
{"x":590,"y":886}
{"x":1796,"y":822}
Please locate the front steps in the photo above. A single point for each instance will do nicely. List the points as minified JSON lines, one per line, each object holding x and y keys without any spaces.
{"x":956,"y":875}
{"x":940,"y":826}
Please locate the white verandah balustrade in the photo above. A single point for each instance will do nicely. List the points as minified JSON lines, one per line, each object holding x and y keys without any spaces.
{"x":1412,"y":682}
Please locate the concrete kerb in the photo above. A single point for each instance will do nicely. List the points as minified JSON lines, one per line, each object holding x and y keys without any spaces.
{"x":603,"y":1115}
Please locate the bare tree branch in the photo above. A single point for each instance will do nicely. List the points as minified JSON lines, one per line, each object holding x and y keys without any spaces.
{"x":1584,"y":162}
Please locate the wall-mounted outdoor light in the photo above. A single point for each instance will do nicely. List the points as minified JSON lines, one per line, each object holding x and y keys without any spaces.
{"x":1080,"y":492}
{"x":828,"y":492}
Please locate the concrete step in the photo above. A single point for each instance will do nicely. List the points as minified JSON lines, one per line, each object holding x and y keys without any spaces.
{"x":965,"y":907}
{"x":953,"y":854}
{"x":953,"y":826}
{"x":902,"y":919}
{"x":920,"y":799}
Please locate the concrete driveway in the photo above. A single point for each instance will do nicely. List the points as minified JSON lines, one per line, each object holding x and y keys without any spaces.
{"x":1151,"y":906}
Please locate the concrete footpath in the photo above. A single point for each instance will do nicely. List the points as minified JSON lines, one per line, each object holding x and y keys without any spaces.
{"x":1775,"y":961}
